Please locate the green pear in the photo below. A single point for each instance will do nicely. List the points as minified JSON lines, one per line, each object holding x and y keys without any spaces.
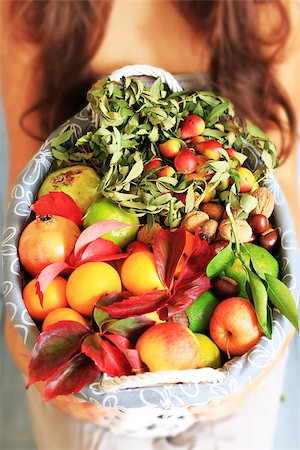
{"x":79,"y":182}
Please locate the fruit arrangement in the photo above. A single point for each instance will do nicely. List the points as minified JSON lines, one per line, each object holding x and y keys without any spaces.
{"x":153,"y":246}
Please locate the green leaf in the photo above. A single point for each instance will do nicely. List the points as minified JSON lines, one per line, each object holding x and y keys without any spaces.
{"x":260,"y":299}
{"x":135,"y":172}
{"x":220,"y":262}
{"x":282,"y":299}
{"x":62,"y":137}
{"x":248,"y":202}
{"x":213,"y":116}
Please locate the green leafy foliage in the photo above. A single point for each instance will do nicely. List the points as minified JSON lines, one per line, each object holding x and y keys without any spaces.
{"x":127,"y":123}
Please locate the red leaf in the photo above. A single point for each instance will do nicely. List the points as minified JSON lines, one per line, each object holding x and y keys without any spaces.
{"x":137,"y":305}
{"x":54,"y":347}
{"x":115,"y":362}
{"x":168,"y":248}
{"x":59,"y":204}
{"x":72,"y":377}
{"x":99,"y":248}
{"x":131,"y":354}
{"x":196,"y":263}
{"x":47,"y":275}
{"x":184,"y":296}
{"x":92,"y":347}
{"x":95,"y":231}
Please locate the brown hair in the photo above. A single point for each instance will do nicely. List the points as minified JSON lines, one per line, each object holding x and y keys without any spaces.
{"x":243,"y":55}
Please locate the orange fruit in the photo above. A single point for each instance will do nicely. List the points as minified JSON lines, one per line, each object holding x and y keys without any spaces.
{"x":62,"y":314}
{"x":88,"y":283}
{"x":54,"y":297}
{"x":139,"y":274}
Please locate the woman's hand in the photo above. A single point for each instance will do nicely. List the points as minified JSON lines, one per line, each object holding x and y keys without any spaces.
{"x":75,"y":407}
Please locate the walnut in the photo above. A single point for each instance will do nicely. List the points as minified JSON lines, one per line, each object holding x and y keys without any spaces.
{"x":214,"y":210}
{"x":195,"y":219}
{"x":235,"y":213}
{"x":209,"y":230}
{"x":244,"y":231}
{"x":147,"y":236}
{"x":265,"y":201}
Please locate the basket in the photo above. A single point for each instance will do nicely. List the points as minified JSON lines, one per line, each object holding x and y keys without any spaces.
{"x":151,"y":404}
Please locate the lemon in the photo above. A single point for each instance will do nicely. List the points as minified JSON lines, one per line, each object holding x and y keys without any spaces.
{"x":210,"y":353}
{"x":105,"y":209}
{"x":200,"y":312}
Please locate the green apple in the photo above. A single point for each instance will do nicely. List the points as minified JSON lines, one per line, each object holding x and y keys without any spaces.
{"x":105,"y":209}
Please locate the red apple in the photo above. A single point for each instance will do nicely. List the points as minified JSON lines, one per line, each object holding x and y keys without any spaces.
{"x":137,"y":246}
{"x":153,"y":164}
{"x":247,"y":180}
{"x":191,"y":126}
{"x":196,"y":139}
{"x":166,"y":171}
{"x":170,"y":148}
{"x":186,"y":161}
{"x":210,"y":149}
{"x":169,"y":346}
{"x":234,"y":326}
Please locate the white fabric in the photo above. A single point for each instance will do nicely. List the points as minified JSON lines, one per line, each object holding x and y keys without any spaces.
{"x":250,"y":428}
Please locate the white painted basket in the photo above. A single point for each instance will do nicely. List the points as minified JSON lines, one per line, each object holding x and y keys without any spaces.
{"x":150,"y":404}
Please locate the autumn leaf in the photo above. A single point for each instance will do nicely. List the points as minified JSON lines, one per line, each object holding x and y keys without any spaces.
{"x":58,"y":204}
{"x":54,"y":347}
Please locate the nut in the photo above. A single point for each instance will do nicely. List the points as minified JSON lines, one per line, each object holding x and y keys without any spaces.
{"x":214,"y":210}
{"x":225,"y":287}
{"x":243,"y":229}
{"x":259,"y":223}
{"x":219,"y":245}
{"x":147,"y":236}
{"x":181,"y":317}
{"x":209,"y":230}
{"x":265,"y":201}
{"x":195,"y":219}
{"x":235,"y":213}
{"x":269,"y":240}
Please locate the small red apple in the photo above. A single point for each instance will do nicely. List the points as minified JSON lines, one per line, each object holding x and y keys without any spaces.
{"x":137,"y":246}
{"x":166,"y":171}
{"x":234,"y":326}
{"x":153,"y":164}
{"x":247,"y":180}
{"x":170,"y":148}
{"x":209,"y":148}
{"x":186,"y":161}
{"x":191,"y":126}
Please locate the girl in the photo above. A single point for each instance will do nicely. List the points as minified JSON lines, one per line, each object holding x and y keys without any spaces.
{"x":52,"y":51}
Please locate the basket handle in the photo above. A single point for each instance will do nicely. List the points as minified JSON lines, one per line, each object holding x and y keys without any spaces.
{"x":151,"y":71}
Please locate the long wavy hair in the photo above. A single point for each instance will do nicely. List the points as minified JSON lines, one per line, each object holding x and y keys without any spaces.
{"x":242,"y":62}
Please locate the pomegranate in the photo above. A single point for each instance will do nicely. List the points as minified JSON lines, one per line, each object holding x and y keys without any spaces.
{"x":46,"y":240}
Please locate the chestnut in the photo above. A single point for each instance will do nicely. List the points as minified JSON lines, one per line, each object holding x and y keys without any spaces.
{"x":259,"y":223}
{"x":269,"y":240}
{"x":219,"y":245}
{"x":225,"y":287}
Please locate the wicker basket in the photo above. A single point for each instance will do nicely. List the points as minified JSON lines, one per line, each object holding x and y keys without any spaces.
{"x":151,"y":404}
